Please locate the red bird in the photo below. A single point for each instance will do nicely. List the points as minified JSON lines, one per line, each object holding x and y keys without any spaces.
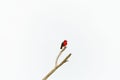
{"x":64,"y":43}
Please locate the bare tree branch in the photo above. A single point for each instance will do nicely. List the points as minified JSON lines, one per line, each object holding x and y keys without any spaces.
{"x":56,"y":62}
{"x":57,"y":66}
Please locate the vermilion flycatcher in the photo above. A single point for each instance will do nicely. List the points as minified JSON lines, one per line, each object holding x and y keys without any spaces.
{"x":63,"y":44}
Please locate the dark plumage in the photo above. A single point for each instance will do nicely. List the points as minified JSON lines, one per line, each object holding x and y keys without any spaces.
{"x":63,"y":44}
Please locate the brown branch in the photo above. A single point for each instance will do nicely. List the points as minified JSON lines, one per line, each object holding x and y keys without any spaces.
{"x":56,"y":67}
{"x":56,"y":62}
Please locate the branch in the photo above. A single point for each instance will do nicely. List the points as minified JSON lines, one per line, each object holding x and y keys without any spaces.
{"x":56,"y":67}
{"x":59,"y":55}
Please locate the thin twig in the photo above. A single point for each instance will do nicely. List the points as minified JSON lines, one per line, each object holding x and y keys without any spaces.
{"x":56,"y":67}
{"x":56,"y":62}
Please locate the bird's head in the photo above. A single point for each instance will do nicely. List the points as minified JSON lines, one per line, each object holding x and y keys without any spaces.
{"x":65,"y":40}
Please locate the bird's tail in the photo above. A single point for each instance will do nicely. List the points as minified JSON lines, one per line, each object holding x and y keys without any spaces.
{"x":61,"y":47}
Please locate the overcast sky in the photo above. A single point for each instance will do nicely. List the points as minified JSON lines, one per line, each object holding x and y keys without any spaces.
{"x":31,"y":32}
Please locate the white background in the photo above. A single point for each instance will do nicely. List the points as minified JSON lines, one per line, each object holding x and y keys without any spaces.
{"x":31,"y":32}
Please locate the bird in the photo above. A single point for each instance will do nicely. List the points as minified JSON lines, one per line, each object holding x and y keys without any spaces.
{"x":63,"y":44}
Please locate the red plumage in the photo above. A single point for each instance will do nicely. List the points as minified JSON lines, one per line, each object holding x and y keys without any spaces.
{"x":63,"y":44}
